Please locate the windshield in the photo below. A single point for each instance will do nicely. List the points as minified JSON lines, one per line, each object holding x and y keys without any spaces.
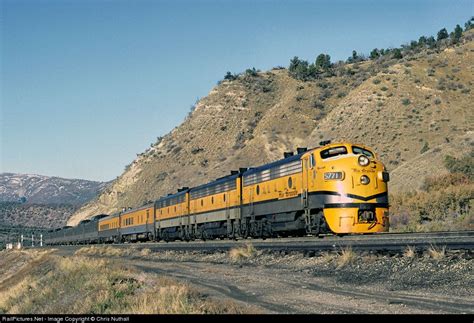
{"x":358,"y":151}
{"x":335,"y":151}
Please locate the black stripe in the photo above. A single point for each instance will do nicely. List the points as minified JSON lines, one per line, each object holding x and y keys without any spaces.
{"x":384,"y":194}
{"x":354,"y":205}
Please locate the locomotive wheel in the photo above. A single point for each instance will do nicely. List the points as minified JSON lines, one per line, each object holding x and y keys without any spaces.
{"x":204,"y":235}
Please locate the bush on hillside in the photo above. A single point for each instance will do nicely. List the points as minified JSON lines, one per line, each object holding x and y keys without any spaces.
{"x":463,"y":165}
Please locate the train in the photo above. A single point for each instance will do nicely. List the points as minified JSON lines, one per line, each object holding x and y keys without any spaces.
{"x":338,"y":188}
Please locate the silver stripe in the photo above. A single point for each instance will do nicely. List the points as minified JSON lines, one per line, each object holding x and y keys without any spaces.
{"x":276,"y":172}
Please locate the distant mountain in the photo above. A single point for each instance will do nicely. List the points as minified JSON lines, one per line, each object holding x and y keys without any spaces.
{"x":37,"y":189}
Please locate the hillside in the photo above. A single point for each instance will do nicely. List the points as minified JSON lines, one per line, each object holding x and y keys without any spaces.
{"x":413,"y":111}
{"x":42,"y":201}
{"x":37,"y":189}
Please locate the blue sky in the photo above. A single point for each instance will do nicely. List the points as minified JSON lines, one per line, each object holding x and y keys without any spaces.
{"x":86,"y":85}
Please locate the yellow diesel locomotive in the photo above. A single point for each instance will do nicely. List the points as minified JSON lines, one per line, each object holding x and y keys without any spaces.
{"x":338,"y":188}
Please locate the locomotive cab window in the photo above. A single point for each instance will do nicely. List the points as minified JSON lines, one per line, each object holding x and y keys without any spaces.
{"x":333,"y":152}
{"x":312,"y":163}
{"x":361,"y":151}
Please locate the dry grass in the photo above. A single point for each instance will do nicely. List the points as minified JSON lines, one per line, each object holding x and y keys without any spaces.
{"x":345,"y":257}
{"x":437,"y":253}
{"x":145,"y":252}
{"x":103,"y":287}
{"x":326,"y":257}
{"x":409,"y":252}
{"x":245,"y":252}
{"x":103,"y":251}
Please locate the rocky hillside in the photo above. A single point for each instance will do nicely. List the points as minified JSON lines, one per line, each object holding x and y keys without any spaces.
{"x":42,"y":201}
{"x":37,"y":189}
{"x":35,"y":215}
{"x":413,"y":110}
{"x":413,"y":113}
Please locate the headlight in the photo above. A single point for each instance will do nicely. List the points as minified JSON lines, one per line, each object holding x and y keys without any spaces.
{"x":334,"y":176}
{"x":363,"y":160}
{"x":364,"y":180}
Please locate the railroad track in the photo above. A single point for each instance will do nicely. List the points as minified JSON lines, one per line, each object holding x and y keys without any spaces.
{"x":383,"y":242}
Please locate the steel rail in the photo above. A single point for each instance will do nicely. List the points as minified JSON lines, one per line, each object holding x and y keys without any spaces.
{"x":394,"y":242}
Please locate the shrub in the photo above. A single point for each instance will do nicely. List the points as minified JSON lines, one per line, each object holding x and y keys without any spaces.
{"x":463,"y":165}
{"x":406,"y":101}
{"x":251,"y":72}
{"x":245,"y":252}
{"x":229,"y":76}
{"x":397,"y":53}
{"x":425,"y":148}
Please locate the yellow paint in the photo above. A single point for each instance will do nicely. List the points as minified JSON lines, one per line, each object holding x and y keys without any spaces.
{"x":137,"y":217}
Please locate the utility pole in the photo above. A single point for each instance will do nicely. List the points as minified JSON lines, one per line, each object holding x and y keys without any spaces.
{"x":22,"y":238}
{"x":32,"y":240}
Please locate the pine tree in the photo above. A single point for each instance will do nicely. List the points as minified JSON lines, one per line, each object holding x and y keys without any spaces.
{"x":469,"y":24}
{"x":397,"y":53}
{"x":442,"y":34}
{"x":323,"y":62}
{"x":422,"y":41}
{"x":354,"y":55}
{"x":457,"y":34}
{"x":294,"y":64}
{"x":374,"y":54}
{"x":431,"y":42}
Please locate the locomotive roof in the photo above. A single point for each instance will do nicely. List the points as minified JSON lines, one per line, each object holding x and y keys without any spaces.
{"x":274,"y":164}
{"x":215,"y":182}
{"x":146,"y":206}
{"x":164,"y":198}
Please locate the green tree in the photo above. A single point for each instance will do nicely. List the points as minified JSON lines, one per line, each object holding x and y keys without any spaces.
{"x":431,"y":42}
{"x":374,"y":54}
{"x":397,"y":53}
{"x":312,"y":71}
{"x":456,"y":36}
{"x":442,"y":34}
{"x":251,"y":71}
{"x":229,"y":76}
{"x":294,"y":63}
{"x":413,"y":44}
{"x":354,"y":55}
{"x":323,"y":62}
{"x":469,"y":24}
{"x":299,"y":69}
{"x":422,"y":41}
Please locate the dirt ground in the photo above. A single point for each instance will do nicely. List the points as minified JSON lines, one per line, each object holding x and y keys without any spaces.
{"x":336,"y":283}
{"x":324,"y":284}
